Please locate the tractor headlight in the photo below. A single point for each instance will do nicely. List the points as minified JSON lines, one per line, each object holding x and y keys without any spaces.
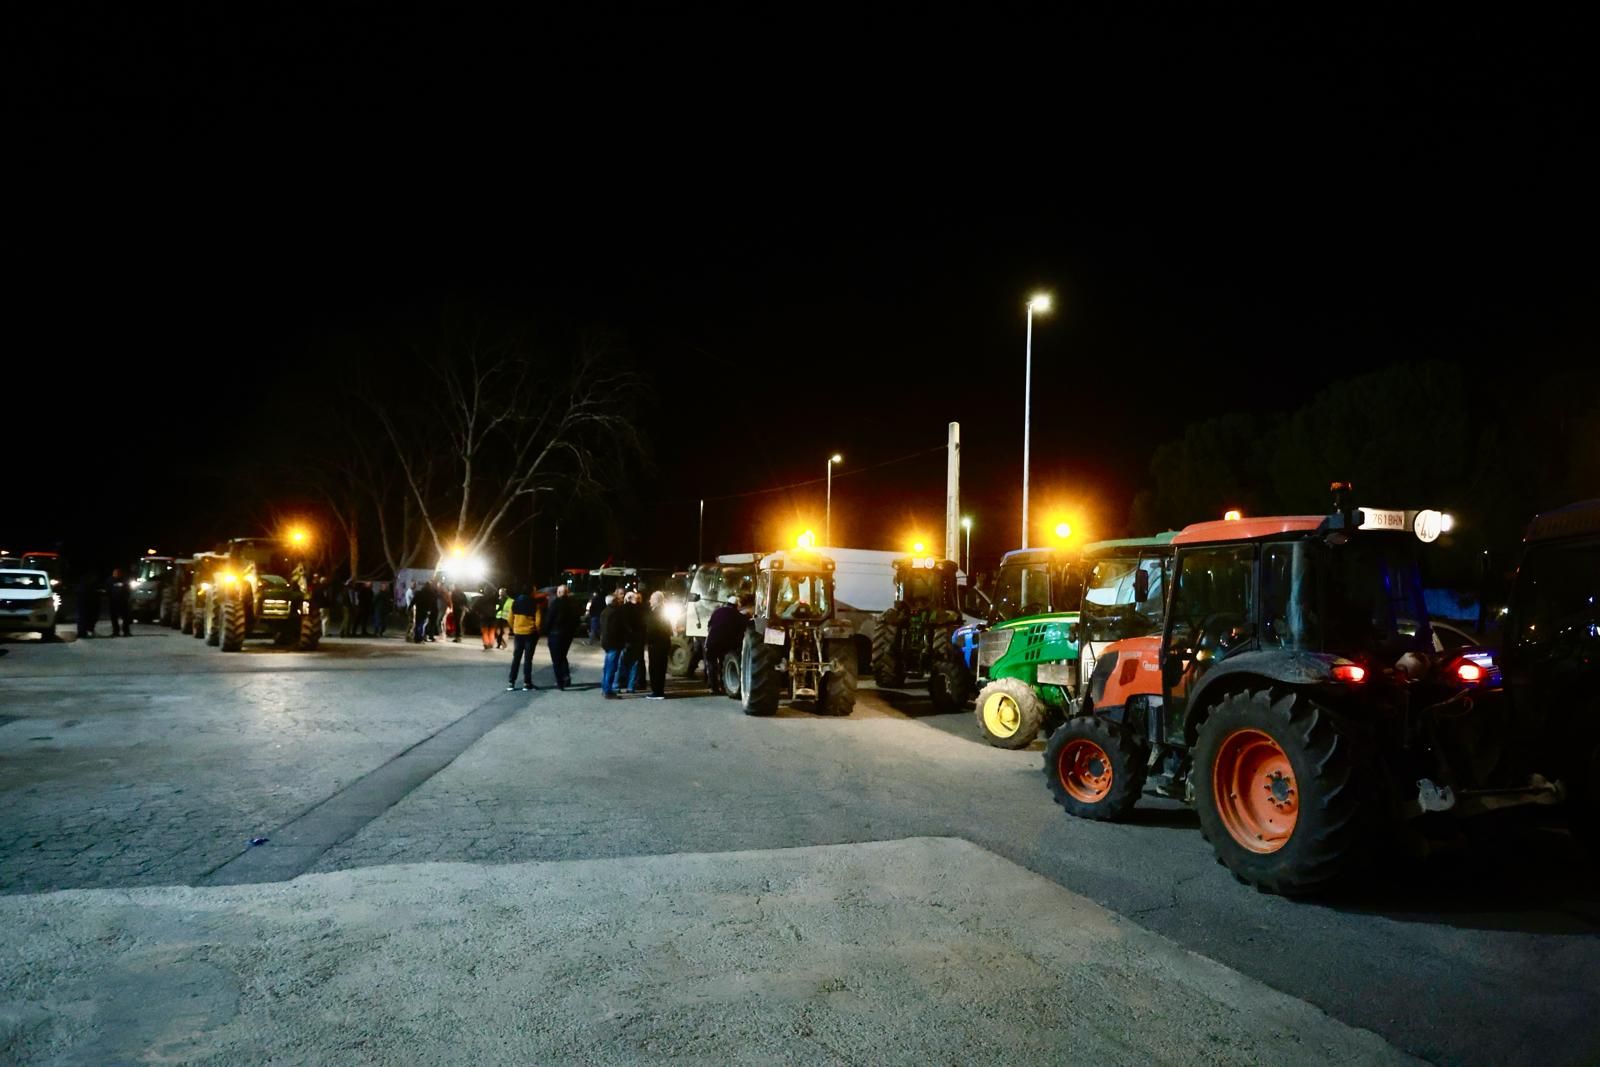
{"x":674,"y":613}
{"x":992,"y":644}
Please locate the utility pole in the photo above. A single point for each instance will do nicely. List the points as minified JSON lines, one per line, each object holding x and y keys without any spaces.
{"x":952,"y":494}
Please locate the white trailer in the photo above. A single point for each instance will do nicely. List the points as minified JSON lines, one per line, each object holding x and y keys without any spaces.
{"x":863,"y":588}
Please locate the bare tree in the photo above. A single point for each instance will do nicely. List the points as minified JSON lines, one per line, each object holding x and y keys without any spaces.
{"x":504,"y":430}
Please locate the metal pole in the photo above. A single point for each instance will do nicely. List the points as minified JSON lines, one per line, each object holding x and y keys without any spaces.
{"x":827,"y":512}
{"x":968,"y":567}
{"x":700,"y":542}
{"x":556,"y":551}
{"x":1027,"y":423}
{"x":952,"y":491}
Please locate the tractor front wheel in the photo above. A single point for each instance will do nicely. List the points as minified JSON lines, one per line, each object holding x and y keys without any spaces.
{"x":1009,"y":713}
{"x":214,"y":619}
{"x":1095,"y":770}
{"x":233,"y":623}
{"x":950,"y":683}
{"x":680,"y":664}
{"x":761,"y":684}
{"x":1278,"y":791}
{"x":733,"y":674}
{"x":311,"y":629}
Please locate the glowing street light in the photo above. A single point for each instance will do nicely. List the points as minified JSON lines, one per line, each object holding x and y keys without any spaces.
{"x":806,"y":540}
{"x":919,"y":548}
{"x":298,"y":535}
{"x":827,"y":514}
{"x":1040,"y":303}
{"x":1063,"y":530}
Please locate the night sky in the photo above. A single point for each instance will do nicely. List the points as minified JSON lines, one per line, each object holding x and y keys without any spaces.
{"x":1230,"y":209}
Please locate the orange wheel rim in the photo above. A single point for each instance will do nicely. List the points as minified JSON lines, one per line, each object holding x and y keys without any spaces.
{"x":1085,"y":771}
{"x":1253,"y":785}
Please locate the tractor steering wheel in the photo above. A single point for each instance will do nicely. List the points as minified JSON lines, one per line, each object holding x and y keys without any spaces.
{"x":1218,"y":633}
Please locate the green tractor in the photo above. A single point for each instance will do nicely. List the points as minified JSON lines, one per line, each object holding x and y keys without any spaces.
{"x":794,"y":644}
{"x":914,"y":636}
{"x":1031,"y":665}
{"x":264,"y":589}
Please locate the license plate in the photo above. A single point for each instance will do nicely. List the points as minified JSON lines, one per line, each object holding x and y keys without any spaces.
{"x":1382,"y":519}
{"x":773,"y":637}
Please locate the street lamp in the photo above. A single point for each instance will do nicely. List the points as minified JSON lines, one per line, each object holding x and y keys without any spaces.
{"x":966,"y":524}
{"x":827,"y":514}
{"x":1040,"y":303}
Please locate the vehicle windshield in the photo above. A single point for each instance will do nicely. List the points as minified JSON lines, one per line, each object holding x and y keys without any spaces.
{"x":1361,"y":596}
{"x":1034,"y":588}
{"x":797,"y":595}
{"x":736,"y":581}
{"x":919,"y":587}
{"x":34,"y":580}
{"x":1109,"y":611}
{"x":152,"y":569}
{"x":1554,"y":616}
{"x":266,"y":557}
{"x":705,"y":583}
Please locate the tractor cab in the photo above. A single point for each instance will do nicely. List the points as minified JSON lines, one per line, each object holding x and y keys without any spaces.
{"x":923,"y":585}
{"x":1036,"y":581}
{"x":793,"y":587}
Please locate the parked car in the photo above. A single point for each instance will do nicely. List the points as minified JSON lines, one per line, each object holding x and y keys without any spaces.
{"x":27,"y":603}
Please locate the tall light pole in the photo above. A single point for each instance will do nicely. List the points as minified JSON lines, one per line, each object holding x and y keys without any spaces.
{"x":827,"y":516}
{"x":966,"y":524}
{"x":1040,"y":303}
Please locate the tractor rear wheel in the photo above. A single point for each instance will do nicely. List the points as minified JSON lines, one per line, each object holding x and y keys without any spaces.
{"x":233,"y":622}
{"x":888,"y":665}
{"x":680,"y":664}
{"x":733,"y":673}
{"x":1009,"y":713}
{"x":761,"y":684}
{"x":1095,"y":770}
{"x":1278,"y":791}
{"x":214,"y":619}
{"x":186,"y":615}
{"x":839,"y":684}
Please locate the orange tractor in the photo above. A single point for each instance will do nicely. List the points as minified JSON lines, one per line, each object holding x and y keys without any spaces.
{"x":1295,"y":699}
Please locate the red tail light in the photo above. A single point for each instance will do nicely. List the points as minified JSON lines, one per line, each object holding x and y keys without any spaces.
{"x":1352,"y":673}
{"x":1469,"y":672}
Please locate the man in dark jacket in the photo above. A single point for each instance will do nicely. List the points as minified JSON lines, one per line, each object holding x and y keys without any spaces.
{"x":562,"y":628}
{"x":614,"y":640}
{"x":118,"y":599}
{"x":658,"y":642}
{"x":724,"y":637}
{"x":632,"y":677}
{"x":423,"y":603}
{"x":598,"y":602}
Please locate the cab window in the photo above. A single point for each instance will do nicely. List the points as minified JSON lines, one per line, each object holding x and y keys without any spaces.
{"x":1212,"y":604}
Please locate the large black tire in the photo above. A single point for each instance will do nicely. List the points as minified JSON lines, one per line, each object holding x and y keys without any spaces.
{"x":1009,"y":713}
{"x":214,"y":618}
{"x":950,"y":686}
{"x":1279,"y":793}
{"x":839,"y":685}
{"x":888,"y":665}
{"x":47,"y":634}
{"x":1095,"y":769}
{"x":761,"y":686}
{"x":166,"y":611}
{"x":680,"y":664}
{"x":186,"y":614}
{"x":233,"y":620}
{"x":733,"y":674}
{"x":310,"y":629}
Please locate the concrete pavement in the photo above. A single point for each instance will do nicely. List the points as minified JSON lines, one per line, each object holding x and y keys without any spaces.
{"x":1467,"y":960}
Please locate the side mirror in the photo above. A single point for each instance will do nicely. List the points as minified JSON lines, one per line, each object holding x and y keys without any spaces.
{"x":1141,"y":585}
{"x":694,"y":598}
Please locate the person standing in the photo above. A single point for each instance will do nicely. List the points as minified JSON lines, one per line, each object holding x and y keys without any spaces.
{"x":458,"y":609}
{"x":502,"y":619}
{"x":89,"y":605}
{"x":562,"y":629}
{"x":633,"y":656}
{"x":597,"y":606}
{"x":524,"y":638}
{"x":381,"y":599}
{"x":118,"y":600}
{"x":724,"y":637}
{"x":658,"y":643}
{"x":614,"y":641}
{"x":484,"y":608}
{"x":422,"y":604}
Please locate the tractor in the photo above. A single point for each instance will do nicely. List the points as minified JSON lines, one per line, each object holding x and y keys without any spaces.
{"x":914,"y":636}
{"x":1550,"y":652}
{"x":150,"y":591}
{"x":263,"y":590}
{"x":1295,"y":699}
{"x":194,"y":611}
{"x":712,"y":585}
{"x":793,"y":643}
{"x":1032,"y":665}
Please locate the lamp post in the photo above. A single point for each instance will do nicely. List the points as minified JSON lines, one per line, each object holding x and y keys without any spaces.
{"x":966,"y":524}
{"x":827,"y":514}
{"x":1040,"y":303}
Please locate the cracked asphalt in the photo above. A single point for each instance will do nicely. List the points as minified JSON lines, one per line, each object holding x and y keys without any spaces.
{"x":154,"y":761}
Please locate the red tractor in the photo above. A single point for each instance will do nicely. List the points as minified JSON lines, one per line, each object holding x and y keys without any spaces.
{"x":1295,"y":699}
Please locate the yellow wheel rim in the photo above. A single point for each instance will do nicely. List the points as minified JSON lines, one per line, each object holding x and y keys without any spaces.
{"x":1001,"y":716}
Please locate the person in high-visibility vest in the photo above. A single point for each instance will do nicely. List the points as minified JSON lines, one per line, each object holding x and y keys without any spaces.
{"x":502,"y":620}
{"x":527,"y":615}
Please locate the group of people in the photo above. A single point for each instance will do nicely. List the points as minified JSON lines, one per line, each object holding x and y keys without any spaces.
{"x":632,"y":636}
{"x":531,"y":615}
{"x":119,"y":604}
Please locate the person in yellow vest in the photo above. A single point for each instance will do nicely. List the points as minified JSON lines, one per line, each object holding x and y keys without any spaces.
{"x":502,"y":621}
{"x":527,"y":615}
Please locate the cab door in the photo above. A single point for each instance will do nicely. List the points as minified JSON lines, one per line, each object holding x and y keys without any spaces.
{"x":1210,"y":613}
